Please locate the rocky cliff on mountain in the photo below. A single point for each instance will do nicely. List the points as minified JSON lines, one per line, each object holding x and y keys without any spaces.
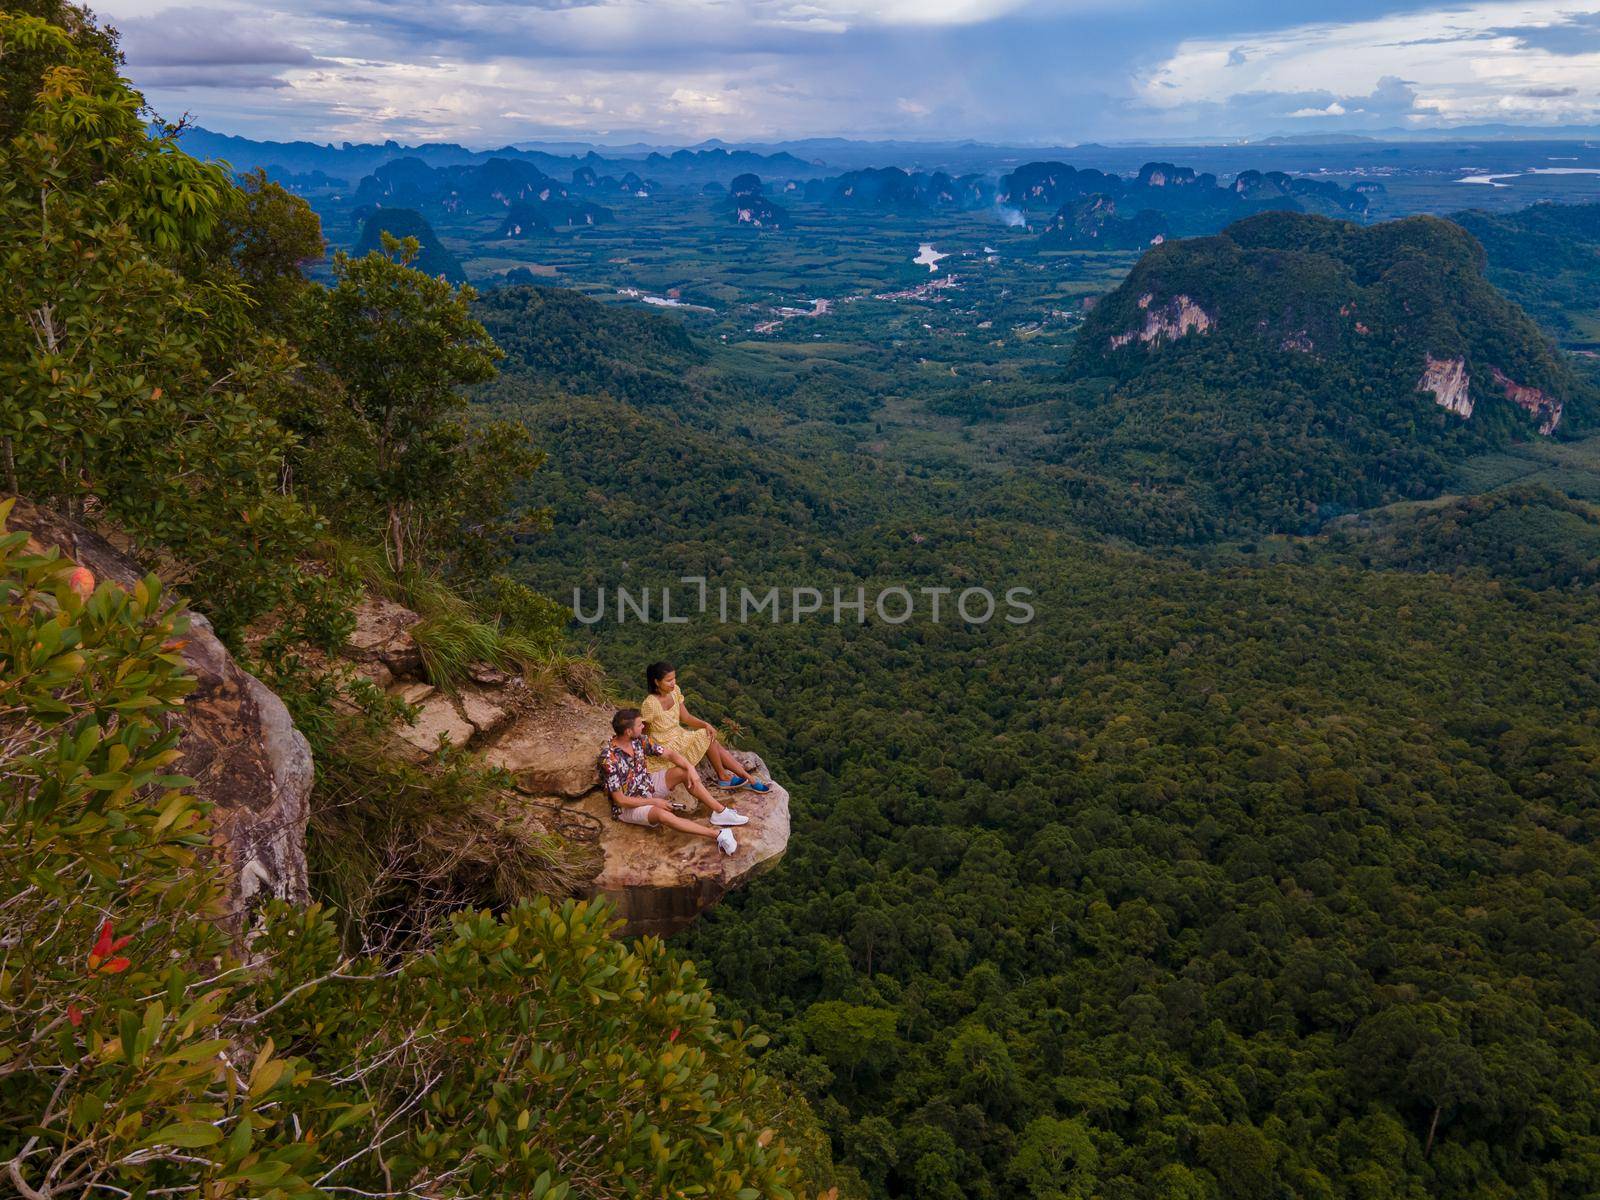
{"x":748,"y":204}
{"x":239,"y":745}
{"x":1096,"y":223}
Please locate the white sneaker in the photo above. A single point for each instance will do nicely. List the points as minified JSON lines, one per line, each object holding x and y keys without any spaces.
{"x":725,"y":840}
{"x":728,"y":817}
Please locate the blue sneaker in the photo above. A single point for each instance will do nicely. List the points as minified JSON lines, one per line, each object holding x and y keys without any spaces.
{"x":731,"y":784}
{"x":755,"y":785}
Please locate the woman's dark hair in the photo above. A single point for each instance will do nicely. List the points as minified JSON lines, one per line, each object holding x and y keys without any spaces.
{"x":623,"y":719}
{"x":654,"y":674}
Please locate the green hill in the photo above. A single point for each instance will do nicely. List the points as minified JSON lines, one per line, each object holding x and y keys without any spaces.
{"x":1547,"y":257}
{"x":1531,"y":535}
{"x":560,"y":338}
{"x":432,"y":259}
{"x":1293,"y":367}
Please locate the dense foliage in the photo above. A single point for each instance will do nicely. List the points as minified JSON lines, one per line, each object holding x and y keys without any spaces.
{"x":134,"y":381}
{"x":1216,"y":882}
{"x":581,"y":347}
{"x":395,"y":453}
{"x":1547,"y":257}
{"x":1528,"y":534}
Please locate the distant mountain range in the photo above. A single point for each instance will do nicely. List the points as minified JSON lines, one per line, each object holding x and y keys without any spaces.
{"x":804,"y":158}
{"x":895,"y":188}
{"x":310,"y":163}
{"x":1167,"y":187}
{"x":534,"y":202}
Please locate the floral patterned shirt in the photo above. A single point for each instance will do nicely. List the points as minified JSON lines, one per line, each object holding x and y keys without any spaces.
{"x":626,"y":771}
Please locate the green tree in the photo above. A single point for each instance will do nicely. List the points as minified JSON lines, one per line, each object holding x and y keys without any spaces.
{"x":1242,"y":1159}
{"x":1056,"y":1160}
{"x":850,"y":1037}
{"x":23,"y":61}
{"x":129,"y":388}
{"x":398,"y":452}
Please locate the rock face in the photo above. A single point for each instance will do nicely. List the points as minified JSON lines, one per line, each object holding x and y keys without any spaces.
{"x":1450,"y":384}
{"x":553,"y":751}
{"x":1177,"y":318}
{"x":245,"y":755}
{"x":660,"y":880}
{"x":1543,"y":408}
{"x":1447,"y":379}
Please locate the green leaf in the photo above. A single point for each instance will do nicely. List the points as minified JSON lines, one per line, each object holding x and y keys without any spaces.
{"x":189,"y":1135}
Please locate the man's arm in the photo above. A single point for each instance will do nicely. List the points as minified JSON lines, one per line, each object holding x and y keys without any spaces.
{"x":657,"y":750}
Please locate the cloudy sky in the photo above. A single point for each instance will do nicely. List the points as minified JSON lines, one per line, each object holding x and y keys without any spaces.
{"x":485,"y":72}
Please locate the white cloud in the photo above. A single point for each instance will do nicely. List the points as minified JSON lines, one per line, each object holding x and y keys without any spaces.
{"x":1334,"y":109}
{"x":1457,"y":64}
{"x":689,"y":100}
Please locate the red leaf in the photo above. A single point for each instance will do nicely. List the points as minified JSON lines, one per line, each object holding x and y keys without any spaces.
{"x":105,"y":946}
{"x":673,"y":1036}
{"x":75,"y":1015}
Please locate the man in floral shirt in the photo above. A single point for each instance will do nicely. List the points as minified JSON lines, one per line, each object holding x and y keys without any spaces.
{"x":641,"y":796}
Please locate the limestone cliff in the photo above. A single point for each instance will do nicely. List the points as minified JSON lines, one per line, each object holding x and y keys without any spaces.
{"x":1178,"y":317}
{"x":239,"y":745}
{"x":1541,"y":406}
{"x":1448,"y":381}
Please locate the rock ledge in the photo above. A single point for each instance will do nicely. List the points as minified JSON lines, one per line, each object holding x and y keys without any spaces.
{"x":659,"y":880}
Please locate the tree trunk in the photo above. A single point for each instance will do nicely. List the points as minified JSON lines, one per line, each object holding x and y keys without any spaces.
{"x":1433,"y":1128}
{"x":396,"y":539}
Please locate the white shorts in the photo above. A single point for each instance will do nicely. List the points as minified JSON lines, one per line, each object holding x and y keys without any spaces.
{"x":640,"y":814}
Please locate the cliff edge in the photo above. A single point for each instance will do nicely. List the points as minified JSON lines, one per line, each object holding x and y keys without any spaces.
{"x":255,"y":769}
{"x":660,"y":881}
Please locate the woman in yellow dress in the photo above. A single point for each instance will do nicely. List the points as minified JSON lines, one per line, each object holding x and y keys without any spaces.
{"x":669,"y":722}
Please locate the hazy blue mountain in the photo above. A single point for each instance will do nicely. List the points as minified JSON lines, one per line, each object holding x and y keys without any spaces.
{"x":434,"y":258}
